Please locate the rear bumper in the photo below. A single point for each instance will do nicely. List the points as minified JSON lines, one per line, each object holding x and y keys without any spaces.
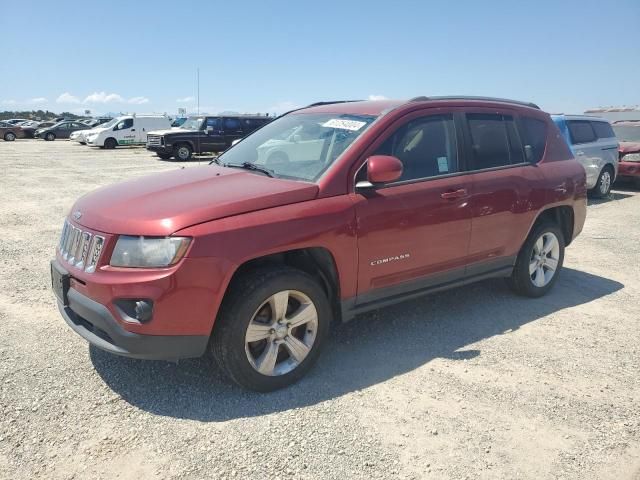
{"x":93,"y":322}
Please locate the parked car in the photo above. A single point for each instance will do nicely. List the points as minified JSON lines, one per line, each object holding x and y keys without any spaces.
{"x":628,"y":133}
{"x":16,"y":121}
{"x":9,"y":132}
{"x":206,"y":133}
{"x":594,"y":144}
{"x":59,"y":130}
{"x":256,"y":260}
{"x":126,"y":130}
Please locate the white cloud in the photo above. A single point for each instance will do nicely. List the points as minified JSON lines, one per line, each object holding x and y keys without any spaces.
{"x":103,"y":97}
{"x":9,"y":102}
{"x":185,"y":100}
{"x":138,"y":100}
{"x":377,"y":97}
{"x":37,"y":100}
{"x":66,"y":97}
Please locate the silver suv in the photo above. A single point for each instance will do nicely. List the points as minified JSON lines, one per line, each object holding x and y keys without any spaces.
{"x":594,"y":144}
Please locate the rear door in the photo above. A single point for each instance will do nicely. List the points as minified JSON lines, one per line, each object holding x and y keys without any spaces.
{"x":504,"y":186}
{"x":608,"y":144}
{"x":232,"y":127}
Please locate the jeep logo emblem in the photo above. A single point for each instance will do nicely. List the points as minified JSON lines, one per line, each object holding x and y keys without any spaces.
{"x":77,"y":214}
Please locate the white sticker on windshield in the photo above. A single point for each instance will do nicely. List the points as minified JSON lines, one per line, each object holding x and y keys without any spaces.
{"x":352,"y":125}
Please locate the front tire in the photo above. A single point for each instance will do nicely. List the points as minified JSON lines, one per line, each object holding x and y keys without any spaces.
{"x":182,"y":152}
{"x":539,"y":261}
{"x":50,"y":137}
{"x":603,"y":185}
{"x":110,"y":143}
{"x":271,"y":328}
{"x":9,"y":137}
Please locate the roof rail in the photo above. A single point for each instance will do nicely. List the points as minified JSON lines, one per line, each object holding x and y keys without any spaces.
{"x":488,"y":99}
{"x":319,"y":104}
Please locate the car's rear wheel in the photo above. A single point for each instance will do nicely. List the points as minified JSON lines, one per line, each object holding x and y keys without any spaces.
{"x":182,"y":152}
{"x":50,"y":137}
{"x":539,"y":261}
{"x":271,"y":328}
{"x":603,"y":185}
{"x":110,"y":143}
{"x":9,"y":136}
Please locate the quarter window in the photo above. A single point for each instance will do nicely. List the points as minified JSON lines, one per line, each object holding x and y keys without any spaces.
{"x":425,"y":146}
{"x":581,"y":131}
{"x":603,"y":129}
{"x":534,"y":135}
{"x":494,"y":140}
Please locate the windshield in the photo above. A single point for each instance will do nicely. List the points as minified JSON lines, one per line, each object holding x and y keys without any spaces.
{"x":299,"y":146}
{"x":627,"y":133}
{"x":192,"y":123}
{"x":109,"y":124}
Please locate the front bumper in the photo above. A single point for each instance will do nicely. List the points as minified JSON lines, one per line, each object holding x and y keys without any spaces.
{"x":95,"y":323}
{"x":160,"y":149}
{"x":628,"y":170}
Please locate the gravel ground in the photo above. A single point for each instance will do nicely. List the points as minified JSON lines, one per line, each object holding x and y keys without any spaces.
{"x":470,"y":383}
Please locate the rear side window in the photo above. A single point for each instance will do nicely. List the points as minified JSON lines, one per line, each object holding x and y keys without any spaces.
{"x":581,"y":131}
{"x":494,"y":140}
{"x":231,"y":124}
{"x":534,"y":135}
{"x":603,"y":130}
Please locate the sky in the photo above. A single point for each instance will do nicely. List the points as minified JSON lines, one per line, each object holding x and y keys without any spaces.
{"x":257,"y":56}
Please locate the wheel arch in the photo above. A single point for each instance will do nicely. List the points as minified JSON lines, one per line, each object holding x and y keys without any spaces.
{"x":562,"y":215}
{"x":318,"y":262}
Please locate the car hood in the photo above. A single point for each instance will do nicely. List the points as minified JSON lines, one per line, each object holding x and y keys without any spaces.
{"x":629,"y":147}
{"x":172,"y":131}
{"x":161,"y":204}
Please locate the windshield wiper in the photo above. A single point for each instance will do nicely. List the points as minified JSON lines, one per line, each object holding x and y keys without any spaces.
{"x":217,"y":162}
{"x":250,"y":166}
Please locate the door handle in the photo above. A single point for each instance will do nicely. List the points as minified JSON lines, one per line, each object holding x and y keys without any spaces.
{"x":133,"y":129}
{"x":453,"y":194}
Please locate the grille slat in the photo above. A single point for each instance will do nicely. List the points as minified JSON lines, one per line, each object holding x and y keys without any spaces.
{"x":80,"y":248}
{"x":154,"y":140}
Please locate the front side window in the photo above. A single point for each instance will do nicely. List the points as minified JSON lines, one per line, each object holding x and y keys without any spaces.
{"x":301,"y":145}
{"x":124,"y":124}
{"x":603,"y":130}
{"x":581,"y":131}
{"x":495,"y":141}
{"x":426,"y":147}
{"x":213,"y":122}
{"x":192,"y":123}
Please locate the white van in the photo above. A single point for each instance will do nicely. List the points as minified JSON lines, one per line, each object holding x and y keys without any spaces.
{"x":126,"y":130}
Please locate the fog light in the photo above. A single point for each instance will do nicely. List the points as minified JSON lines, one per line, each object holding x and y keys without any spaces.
{"x":140,"y":310}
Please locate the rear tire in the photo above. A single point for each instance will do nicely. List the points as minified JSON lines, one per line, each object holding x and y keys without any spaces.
{"x":50,"y":137}
{"x":9,"y":137}
{"x":251,"y":307}
{"x":110,"y":143}
{"x":539,"y":261}
{"x":603,"y":185}
{"x":182,"y":152}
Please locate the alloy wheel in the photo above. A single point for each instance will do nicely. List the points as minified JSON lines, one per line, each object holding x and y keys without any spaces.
{"x":605,"y":182}
{"x":281,"y":333}
{"x":544,"y":259}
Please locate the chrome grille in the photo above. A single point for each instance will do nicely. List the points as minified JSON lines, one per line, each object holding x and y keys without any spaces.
{"x":80,"y":248}
{"x":154,"y":140}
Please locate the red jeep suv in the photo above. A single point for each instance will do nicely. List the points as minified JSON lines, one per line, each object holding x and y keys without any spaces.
{"x":328,"y":211}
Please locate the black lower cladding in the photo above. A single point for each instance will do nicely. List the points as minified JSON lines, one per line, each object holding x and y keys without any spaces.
{"x":93,"y":322}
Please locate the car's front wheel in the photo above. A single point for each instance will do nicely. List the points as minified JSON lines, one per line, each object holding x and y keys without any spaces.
{"x":50,"y":137}
{"x":182,"y":152}
{"x":539,"y":261}
{"x":110,"y":143}
{"x":603,"y":185}
{"x":271,"y":328}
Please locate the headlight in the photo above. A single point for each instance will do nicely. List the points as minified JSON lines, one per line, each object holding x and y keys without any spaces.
{"x":148,"y":251}
{"x":631,"y":157}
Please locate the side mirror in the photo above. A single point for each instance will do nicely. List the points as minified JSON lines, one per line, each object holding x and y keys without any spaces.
{"x":209,"y":130}
{"x":383,"y":169}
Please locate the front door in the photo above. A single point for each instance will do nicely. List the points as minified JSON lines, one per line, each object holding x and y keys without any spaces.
{"x":414,"y":233}
{"x":212,"y":137}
